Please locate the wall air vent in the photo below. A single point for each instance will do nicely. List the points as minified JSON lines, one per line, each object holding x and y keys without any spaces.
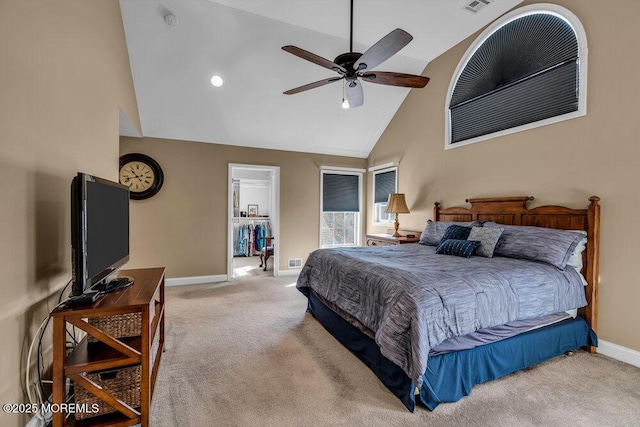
{"x":475,"y":6}
{"x":295,"y":262}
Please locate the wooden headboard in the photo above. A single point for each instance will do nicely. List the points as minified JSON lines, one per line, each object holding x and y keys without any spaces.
{"x":513,"y":211}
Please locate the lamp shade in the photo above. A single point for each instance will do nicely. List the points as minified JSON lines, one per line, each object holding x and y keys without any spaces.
{"x":396,"y":204}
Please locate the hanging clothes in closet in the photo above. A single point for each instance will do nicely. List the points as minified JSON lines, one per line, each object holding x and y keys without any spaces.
{"x":249,"y":238}
{"x":261,"y":233}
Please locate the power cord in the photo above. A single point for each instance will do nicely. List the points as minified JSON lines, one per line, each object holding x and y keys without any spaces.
{"x":28,"y":368}
{"x":40,"y":361}
{"x":73,"y":337}
{"x":39,"y":357}
{"x":62,"y":291}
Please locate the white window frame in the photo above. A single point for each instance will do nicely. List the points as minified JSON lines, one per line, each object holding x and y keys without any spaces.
{"x":376,"y":171}
{"x":583,"y":51}
{"x":358,"y":225}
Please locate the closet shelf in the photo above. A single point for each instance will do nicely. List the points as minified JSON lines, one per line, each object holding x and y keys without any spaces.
{"x":252,"y":218}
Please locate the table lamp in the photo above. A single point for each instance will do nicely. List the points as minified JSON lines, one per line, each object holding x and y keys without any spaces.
{"x":397,"y":205}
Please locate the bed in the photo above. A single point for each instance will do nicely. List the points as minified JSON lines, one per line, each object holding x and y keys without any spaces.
{"x":431,"y":326}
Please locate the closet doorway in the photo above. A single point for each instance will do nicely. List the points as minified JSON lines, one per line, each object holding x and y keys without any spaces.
{"x":253,"y":220}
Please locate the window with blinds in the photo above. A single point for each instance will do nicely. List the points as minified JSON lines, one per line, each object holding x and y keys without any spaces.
{"x":340,"y":203}
{"x":385,"y":182}
{"x":526,"y":70}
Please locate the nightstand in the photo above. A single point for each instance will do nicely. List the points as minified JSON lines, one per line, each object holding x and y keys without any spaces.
{"x":388,"y":239}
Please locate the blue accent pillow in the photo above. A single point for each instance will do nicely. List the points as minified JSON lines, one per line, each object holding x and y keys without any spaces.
{"x":463,"y":248}
{"x":434,"y":230}
{"x":456,"y":232}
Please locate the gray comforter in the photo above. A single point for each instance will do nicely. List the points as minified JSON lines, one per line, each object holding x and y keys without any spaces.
{"x":413,"y":299}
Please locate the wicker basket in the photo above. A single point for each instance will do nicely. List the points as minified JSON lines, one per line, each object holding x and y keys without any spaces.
{"x":123,"y":384}
{"x":119,"y":325}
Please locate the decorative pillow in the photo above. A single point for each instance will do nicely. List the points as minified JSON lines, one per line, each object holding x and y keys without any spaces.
{"x":457,"y":232}
{"x":548,"y":245}
{"x":488,"y":238}
{"x":463,"y":248}
{"x":434,"y":231}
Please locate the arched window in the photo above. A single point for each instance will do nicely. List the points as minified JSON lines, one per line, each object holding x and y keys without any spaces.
{"x":527,"y":69}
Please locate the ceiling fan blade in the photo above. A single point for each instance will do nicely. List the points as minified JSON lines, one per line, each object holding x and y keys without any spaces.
{"x":312,"y":85}
{"x":395,"y":79}
{"x":384,"y":49}
{"x":354,"y":93}
{"x":312,"y":57}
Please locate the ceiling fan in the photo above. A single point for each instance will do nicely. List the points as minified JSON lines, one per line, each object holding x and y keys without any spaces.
{"x":352,"y":66}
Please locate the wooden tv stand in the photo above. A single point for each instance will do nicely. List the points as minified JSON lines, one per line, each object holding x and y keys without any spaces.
{"x":145,"y":296}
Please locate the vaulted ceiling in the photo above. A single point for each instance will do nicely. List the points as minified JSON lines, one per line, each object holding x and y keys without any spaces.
{"x":241,"y":41}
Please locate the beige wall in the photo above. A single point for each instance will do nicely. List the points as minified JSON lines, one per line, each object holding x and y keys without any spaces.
{"x":64,"y":74}
{"x":563,"y":163}
{"x":184,"y":226}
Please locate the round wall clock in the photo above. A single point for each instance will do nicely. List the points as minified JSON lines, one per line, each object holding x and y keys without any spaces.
{"x":141,"y":174}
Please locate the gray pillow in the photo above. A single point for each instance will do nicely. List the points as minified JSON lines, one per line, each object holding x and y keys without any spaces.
{"x":488,"y":238}
{"x":434,"y":230}
{"x":548,"y":245}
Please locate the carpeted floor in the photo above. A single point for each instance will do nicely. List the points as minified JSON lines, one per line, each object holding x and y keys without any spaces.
{"x":247,"y":354}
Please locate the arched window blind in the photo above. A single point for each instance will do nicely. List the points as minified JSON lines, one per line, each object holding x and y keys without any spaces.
{"x":526,"y":70}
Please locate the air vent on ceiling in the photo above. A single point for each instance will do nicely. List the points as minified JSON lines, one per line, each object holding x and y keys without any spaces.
{"x":475,"y":6}
{"x":295,"y":262}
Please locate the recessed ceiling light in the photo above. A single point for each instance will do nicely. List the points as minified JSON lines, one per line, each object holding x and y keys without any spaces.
{"x":217,"y":81}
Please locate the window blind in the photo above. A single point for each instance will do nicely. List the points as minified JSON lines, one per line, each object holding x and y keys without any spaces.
{"x":526,"y":71}
{"x":340,"y":193}
{"x":385,"y":184}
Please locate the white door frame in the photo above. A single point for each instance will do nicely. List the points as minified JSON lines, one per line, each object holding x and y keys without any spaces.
{"x":274,"y":215}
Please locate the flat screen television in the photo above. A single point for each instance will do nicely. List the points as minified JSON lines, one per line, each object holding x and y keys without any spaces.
{"x":99,"y":231}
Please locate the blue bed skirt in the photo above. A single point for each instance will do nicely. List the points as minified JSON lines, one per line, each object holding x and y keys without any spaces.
{"x":450,"y":376}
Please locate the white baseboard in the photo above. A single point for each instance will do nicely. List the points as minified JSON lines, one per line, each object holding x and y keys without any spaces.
{"x":195,"y":280}
{"x":619,"y":352}
{"x":291,"y":272}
